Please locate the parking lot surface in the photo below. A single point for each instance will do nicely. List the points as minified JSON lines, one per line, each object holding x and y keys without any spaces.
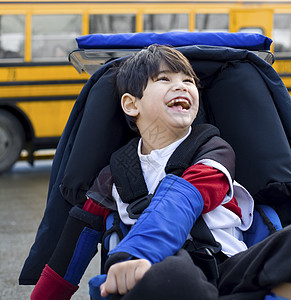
{"x":23,"y":193}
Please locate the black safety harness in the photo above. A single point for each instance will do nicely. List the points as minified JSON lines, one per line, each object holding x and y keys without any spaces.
{"x":128,"y":178}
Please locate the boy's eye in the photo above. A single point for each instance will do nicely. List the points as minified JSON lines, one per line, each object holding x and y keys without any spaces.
{"x":191,"y":80}
{"x":163,"y":78}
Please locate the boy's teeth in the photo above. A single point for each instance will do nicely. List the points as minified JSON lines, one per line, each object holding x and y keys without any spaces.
{"x":182,"y":102}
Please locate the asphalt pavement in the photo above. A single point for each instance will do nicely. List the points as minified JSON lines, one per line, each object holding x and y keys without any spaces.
{"x":23,"y":193}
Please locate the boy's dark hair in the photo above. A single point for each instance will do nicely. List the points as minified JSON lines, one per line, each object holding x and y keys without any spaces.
{"x":135,"y":71}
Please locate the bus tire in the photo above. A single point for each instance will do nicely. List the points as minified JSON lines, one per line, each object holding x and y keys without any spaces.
{"x":11,"y":140}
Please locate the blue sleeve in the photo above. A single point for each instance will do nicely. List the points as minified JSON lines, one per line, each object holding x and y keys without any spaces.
{"x":164,"y":225}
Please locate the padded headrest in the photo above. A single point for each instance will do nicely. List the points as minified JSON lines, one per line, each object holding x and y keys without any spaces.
{"x":240,"y":40}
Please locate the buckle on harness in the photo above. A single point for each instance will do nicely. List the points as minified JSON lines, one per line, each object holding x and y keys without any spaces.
{"x":136,"y":207}
{"x":200,"y":246}
{"x":205,"y":257}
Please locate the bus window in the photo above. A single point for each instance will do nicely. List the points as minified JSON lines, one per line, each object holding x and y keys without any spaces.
{"x":165,"y":22}
{"x":252,"y":30}
{"x":53,"y":36}
{"x":282,"y":33}
{"x":117,"y":23}
{"x":12,"y":36}
{"x":212,"y":22}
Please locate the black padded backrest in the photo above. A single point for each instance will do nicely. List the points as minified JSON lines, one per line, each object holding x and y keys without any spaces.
{"x":102,"y":131}
{"x":240,"y":104}
{"x":96,"y":127}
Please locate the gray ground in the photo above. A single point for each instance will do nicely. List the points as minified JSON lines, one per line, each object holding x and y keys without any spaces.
{"x":22,"y":201}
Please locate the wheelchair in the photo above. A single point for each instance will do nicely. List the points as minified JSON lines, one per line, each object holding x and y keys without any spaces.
{"x":241,"y":94}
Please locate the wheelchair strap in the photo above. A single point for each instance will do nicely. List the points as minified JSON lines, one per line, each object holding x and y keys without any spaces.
{"x":127,"y":173}
{"x":203,"y":238}
{"x":266,"y":219}
{"x":204,"y":250}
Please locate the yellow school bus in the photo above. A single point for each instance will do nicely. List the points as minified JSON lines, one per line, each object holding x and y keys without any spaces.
{"x":38,"y":86}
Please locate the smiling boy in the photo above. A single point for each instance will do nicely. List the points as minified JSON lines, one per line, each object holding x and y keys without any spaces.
{"x":186,"y":172}
{"x":170,"y":101}
{"x":166,"y":95}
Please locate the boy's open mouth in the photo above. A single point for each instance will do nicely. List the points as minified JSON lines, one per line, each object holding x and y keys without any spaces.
{"x":179,"y":103}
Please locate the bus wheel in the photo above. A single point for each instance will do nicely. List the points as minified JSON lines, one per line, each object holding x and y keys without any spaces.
{"x":11,"y":140}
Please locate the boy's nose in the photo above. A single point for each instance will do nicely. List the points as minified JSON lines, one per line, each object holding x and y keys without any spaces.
{"x":180,"y":86}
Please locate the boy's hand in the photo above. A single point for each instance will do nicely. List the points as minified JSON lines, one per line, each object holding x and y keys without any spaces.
{"x":123,"y":276}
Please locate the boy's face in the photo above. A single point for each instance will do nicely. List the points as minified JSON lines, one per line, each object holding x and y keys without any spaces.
{"x":170,"y":101}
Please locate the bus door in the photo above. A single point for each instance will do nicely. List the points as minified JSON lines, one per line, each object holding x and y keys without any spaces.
{"x":275,"y":26}
{"x":258,"y":20}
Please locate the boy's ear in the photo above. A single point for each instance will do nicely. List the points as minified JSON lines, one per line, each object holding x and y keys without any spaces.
{"x":128,"y":104}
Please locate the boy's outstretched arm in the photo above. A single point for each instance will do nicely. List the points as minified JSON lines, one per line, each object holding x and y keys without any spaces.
{"x":164,"y":225}
{"x":123,"y":276}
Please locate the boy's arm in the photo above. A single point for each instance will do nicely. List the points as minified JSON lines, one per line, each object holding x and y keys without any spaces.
{"x":213,"y":185}
{"x":164,"y":225}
